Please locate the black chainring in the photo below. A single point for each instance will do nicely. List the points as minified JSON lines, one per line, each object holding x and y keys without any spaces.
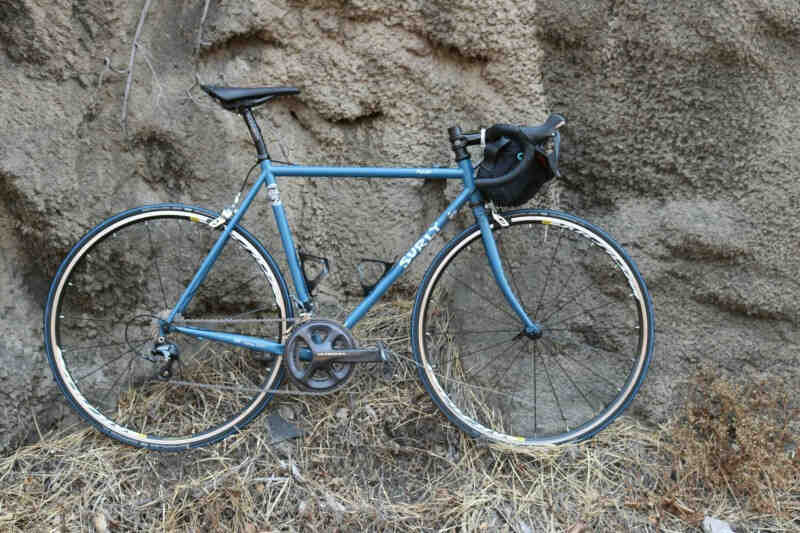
{"x":310,"y":338}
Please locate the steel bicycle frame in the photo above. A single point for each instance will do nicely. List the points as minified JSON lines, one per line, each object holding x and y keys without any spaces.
{"x":269,"y":172}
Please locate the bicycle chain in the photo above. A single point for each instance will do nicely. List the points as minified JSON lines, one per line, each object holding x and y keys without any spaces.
{"x":253,"y":389}
{"x":278,"y":391}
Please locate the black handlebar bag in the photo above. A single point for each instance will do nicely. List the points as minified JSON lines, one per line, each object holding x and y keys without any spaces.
{"x":501,"y":156}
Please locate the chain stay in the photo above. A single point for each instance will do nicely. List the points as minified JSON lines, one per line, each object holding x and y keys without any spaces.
{"x":255,"y":389}
{"x":235,"y":320}
{"x":284,"y":392}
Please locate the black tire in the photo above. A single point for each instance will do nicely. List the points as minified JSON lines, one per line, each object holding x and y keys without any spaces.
{"x":497,"y":384}
{"x":101,"y":318}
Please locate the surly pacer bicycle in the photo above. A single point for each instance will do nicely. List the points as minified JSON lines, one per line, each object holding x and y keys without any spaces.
{"x":169,"y":326}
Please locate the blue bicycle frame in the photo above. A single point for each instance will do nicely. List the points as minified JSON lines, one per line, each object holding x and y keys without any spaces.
{"x":465,"y":172}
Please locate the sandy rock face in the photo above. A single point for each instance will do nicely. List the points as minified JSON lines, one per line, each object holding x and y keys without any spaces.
{"x":681,"y":142}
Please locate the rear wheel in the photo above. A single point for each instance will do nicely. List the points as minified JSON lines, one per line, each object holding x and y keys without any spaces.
{"x":102,"y":334}
{"x":495,"y":382}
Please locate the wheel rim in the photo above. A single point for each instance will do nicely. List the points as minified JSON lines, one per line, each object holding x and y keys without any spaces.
{"x":104,"y":322}
{"x":567,"y":385}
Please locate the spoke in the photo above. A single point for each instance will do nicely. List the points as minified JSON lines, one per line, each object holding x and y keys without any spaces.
{"x":575,"y":385}
{"x":507,"y":368}
{"x":547,"y":276}
{"x":496,"y":392}
{"x":99,"y":320}
{"x":77,"y":349}
{"x":186,"y":239}
{"x":563,"y":282}
{"x":114,"y":273}
{"x":245,"y":313}
{"x":611,"y":353}
{"x":478,"y":351}
{"x":555,"y":395}
{"x":238,"y":287}
{"x":155,"y":263}
{"x":483,"y":297}
{"x":595,"y":328}
{"x":104,"y":365}
{"x":236,"y":316}
{"x":583,"y":312}
{"x":585,"y":367}
{"x":493,"y":359}
{"x":468,"y":312}
{"x":113,"y":385}
{"x":473,"y":332}
{"x":573,"y":297}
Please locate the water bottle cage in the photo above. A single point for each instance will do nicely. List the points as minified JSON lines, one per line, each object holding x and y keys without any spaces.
{"x":312,"y":284}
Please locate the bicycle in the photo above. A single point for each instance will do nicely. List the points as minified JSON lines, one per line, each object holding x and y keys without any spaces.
{"x":169,"y":326}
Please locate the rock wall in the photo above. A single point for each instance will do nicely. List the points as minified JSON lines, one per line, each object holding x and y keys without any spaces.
{"x":680,"y":143}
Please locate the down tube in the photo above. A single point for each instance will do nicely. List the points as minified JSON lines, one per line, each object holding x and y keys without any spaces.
{"x":399,"y":268}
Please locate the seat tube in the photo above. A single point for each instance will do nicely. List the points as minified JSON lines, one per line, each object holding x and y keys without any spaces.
{"x":495,"y":262}
{"x":289,"y":249}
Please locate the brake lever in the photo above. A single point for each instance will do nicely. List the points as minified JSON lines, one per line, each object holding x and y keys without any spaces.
{"x":552,"y":157}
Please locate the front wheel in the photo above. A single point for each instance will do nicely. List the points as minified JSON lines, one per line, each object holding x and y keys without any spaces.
{"x":102,"y":328}
{"x":496,"y":383}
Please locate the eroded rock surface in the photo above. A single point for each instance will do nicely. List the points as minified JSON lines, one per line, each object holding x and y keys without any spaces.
{"x":682,"y":143}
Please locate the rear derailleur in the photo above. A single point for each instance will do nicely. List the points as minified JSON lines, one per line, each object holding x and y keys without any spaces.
{"x":167,"y":352}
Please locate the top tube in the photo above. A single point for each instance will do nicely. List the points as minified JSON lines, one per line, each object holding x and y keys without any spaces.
{"x":366,"y":172}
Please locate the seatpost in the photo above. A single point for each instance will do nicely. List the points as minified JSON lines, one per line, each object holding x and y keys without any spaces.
{"x":255,"y":133}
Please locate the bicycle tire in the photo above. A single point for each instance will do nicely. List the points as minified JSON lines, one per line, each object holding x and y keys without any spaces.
{"x":101,"y":320}
{"x":596,"y":346}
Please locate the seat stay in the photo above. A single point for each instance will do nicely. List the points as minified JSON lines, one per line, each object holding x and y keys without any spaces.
{"x":212,"y":256}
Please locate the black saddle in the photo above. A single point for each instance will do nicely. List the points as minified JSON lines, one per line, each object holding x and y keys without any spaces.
{"x":238,"y":98}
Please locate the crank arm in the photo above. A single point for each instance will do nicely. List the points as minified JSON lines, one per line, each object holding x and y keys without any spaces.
{"x":375,"y":354}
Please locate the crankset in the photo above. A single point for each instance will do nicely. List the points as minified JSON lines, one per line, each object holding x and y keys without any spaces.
{"x":321,"y":355}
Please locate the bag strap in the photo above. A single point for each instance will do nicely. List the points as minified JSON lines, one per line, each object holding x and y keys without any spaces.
{"x":491,"y":151}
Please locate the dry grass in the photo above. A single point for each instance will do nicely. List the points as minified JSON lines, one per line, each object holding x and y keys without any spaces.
{"x":733,"y":452}
{"x":379,"y":456}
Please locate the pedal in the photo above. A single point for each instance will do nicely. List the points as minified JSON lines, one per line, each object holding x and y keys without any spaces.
{"x":312,"y":284}
{"x":363,"y":274}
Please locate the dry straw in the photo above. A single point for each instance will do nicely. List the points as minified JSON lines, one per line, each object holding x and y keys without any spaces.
{"x":380,"y":457}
